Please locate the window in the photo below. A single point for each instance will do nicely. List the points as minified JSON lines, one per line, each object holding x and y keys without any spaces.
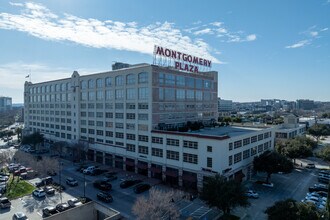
{"x":108,"y":81}
{"x":119,"y":135}
{"x":266,"y":135}
{"x":230,"y":160}
{"x":169,"y":79}
{"x":143,"y":149}
{"x":108,"y":115}
{"x":237,"y":157}
{"x":130,"y":94}
{"x":199,"y":95}
{"x":119,"y":115}
{"x":143,"y":77}
{"x":130,"y":126}
{"x":83,"y":96}
{"x":99,"y":132}
{"x":99,"y":95}
{"x":190,"y":144}
{"x":130,"y":136}
{"x":130,"y":106}
{"x":91,"y":114}
{"x":83,"y":85}
{"x":119,"y":80}
{"x":143,"y":106}
{"x":237,"y":144}
{"x":190,"y":158}
{"x":230,"y":146}
{"x":91,"y":84}
{"x":120,"y":125}
{"x":91,"y":96}
{"x":143,"y":93}
{"x":172,"y":142}
{"x":109,"y":133}
{"x":119,"y":106}
{"x":130,"y":115}
{"x":169,"y":94}
{"x":99,"y":123}
{"x":209,"y":162}
{"x":157,"y":140}
{"x":91,"y":123}
{"x":260,"y":148}
{"x":91,"y":131}
{"x":180,"y":94}
{"x":157,"y":152}
{"x":108,"y":94}
{"x":99,"y":83}
{"x":99,"y":114}
{"x":246,"y":141}
{"x":130,"y":147}
{"x":180,"y":81}
{"x":143,"y":117}
{"x":253,"y":150}
{"x":246,"y":154}
{"x":130,"y":79}
{"x":253,"y":139}
{"x":190,"y":82}
{"x":143,"y":138}
{"x":119,"y":93}
{"x":266,"y":146}
{"x":190,"y":94}
{"x":260,"y":137}
{"x":172,"y":155}
{"x":209,"y":148}
{"x":108,"y":124}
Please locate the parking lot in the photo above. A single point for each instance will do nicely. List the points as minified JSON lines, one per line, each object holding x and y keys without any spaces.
{"x":123,"y":198}
{"x":293,"y":185}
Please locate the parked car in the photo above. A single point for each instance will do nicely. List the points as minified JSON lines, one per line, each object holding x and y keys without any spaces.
{"x":110,"y":178}
{"x":40,"y":193}
{"x":81,"y":168}
{"x":89,"y":170}
{"x":318,"y":188}
{"x":74,"y":202}
{"x":102,"y":185}
{"x":48,"y":211}
{"x":20,"y":216}
{"x":105,"y":197}
{"x":310,"y":165}
{"x":141,"y":187}
{"x":71,"y":182}
{"x":4,"y":178}
{"x":49,"y":190}
{"x":129,"y":183}
{"x":252,"y":194}
{"x":4,"y":203}
{"x":324,"y":180}
{"x":62,"y":207}
{"x":110,"y":173}
{"x":97,"y":171}
{"x":45,"y":181}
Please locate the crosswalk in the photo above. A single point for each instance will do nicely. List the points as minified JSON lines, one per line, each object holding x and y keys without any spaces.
{"x":200,"y":212}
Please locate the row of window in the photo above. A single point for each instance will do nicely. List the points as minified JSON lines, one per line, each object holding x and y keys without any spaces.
{"x":175,"y":80}
{"x":246,"y":141}
{"x":249,"y":152}
{"x":170,"y":94}
{"x":175,"y":142}
{"x":131,"y":94}
{"x":140,"y":116}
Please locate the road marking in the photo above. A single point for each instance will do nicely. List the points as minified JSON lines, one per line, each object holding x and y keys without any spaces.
{"x":186,"y":207}
{"x":39,"y":213}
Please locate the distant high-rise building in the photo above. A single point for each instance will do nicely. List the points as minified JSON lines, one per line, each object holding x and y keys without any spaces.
{"x":305,"y":104}
{"x":5,"y":103}
{"x":225,"y":105}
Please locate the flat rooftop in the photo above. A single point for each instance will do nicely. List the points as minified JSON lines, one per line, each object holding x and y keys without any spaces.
{"x":230,"y":131}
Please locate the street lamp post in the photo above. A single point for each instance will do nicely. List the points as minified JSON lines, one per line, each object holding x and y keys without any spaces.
{"x":60,"y":177}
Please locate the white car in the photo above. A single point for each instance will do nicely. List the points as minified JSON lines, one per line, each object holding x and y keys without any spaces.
{"x":268,"y":184}
{"x":74,"y":202}
{"x":313,"y":198}
{"x":308,"y":201}
{"x":39,"y":193}
{"x":19,"y":216}
{"x":252,"y":194}
{"x":89,"y":170}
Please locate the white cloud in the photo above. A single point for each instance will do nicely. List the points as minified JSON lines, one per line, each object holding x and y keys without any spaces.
{"x":314,"y":33}
{"x":16,"y":4}
{"x":217,"y":23}
{"x":204,"y":31}
{"x":38,"y":21}
{"x":301,"y":43}
{"x":251,"y":37}
{"x":324,"y":29}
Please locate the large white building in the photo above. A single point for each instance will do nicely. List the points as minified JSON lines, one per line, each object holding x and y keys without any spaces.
{"x":130,"y":116}
{"x":5,"y":103}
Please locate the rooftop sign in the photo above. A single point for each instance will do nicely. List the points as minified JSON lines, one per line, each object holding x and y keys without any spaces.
{"x":181,"y":61}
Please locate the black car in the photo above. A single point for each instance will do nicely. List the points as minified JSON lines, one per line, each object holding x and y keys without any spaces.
{"x":81,"y":168}
{"x":318,"y":188}
{"x":128,"y":183}
{"x":110,"y":178}
{"x":71,"y":182}
{"x":324,"y":180}
{"x":110,"y":173}
{"x":102,"y":185}
{"x":98,"y":171}
{"x":141,"y":187}
{"x":45,"y":181}
{"x":5,"y":203}
{"x":105,"y":197}
{"x":62,"y":207}
{"x":48,"y":211}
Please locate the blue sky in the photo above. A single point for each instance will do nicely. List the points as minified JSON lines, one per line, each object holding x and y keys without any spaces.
{"x":261,"y":49}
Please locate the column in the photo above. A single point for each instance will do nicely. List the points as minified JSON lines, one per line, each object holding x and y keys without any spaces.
{"x":180,"y":183}
{"x":149,"y":170}
{"x":199,"y":182}
{"x":136,"y":169}
{"x":163,"y":173}
{"x":94,"y":156}
{"x":124,"y":163}
{"x":103,"y":158}
{"x":113,"y":161}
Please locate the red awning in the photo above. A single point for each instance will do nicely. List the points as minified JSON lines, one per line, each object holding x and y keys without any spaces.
{"x":130,"y":163}
{"x":171,"y":173}
{"x":189,"y":178}
{"x":156,"y":169}
{"x":142,"y":166}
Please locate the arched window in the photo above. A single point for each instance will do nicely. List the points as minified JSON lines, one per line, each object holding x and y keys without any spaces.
{"x":143,"y":77}
{"x":63,"y":87}
{"x":57,"y":87}
{"x":130,"y":79}
{"x":108,"y":81}
{"x":119,"y":80}
{"x":83,"y":84}
{"x":68,"y":86}
{"x":99,"y":83}
{"x":91,"y":84}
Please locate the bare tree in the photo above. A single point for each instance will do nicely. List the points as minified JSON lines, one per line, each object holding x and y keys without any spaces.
{"x":80,"y":151}
{"x":6,"y":156}
{"x":159,"y":205}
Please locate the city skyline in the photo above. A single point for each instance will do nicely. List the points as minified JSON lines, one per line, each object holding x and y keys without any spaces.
{"x":283,"y":58}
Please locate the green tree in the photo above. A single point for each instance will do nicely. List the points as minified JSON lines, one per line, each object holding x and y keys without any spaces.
{"x":292,"y":210}
{"x":272,"y":162}
{"x":18,"y":131}
{"x":33,"y":139}
{"x":324,"y":153}
{"x":223,"y":194}
{"x":319,"y":130}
